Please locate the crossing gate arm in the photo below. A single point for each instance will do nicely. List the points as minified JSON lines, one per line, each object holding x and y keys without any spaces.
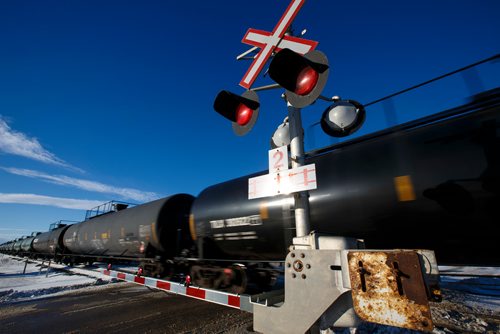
{"x":240,"y":302}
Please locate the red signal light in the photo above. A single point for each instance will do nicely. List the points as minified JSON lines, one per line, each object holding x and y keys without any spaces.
{"x":242,"y":111}
{"x":306,"y":81}
{"x":243,"y":114}
{"x":303,"y":76}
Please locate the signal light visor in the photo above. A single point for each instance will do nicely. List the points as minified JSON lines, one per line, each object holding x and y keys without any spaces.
{"x":242,"y":111}
{"x":303,"y":76}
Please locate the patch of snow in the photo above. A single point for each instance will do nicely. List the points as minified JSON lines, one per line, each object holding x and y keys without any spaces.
{"x":21,"y":280}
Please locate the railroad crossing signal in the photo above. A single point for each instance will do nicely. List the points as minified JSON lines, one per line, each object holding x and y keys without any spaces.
{"x":304,"y":77}
{"x":242,"y":111}
{"x":274,"y":41}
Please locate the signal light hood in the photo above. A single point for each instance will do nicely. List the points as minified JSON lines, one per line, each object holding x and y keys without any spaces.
{"x":288,"y":68}
{"x":242,"y":111}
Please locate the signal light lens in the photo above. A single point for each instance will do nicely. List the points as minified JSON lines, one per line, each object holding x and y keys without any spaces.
{"x":306,"y":81}
{"x":243,"y":114}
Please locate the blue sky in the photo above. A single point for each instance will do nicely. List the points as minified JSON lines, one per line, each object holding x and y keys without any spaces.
{"x":103,"y":100}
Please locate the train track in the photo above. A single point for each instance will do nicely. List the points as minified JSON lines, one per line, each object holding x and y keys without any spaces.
{"x":477,"y":280}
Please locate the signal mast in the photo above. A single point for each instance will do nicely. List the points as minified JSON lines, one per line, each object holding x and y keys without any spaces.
{"x":326,"y":277}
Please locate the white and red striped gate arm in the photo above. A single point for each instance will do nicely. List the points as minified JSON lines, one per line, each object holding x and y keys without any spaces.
{"x":240,"y":302}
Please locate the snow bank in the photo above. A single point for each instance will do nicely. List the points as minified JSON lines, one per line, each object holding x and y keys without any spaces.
{"x":37,"y":281}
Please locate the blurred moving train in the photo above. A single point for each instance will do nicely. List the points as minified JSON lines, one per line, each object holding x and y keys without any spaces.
{"x":431,"y":183}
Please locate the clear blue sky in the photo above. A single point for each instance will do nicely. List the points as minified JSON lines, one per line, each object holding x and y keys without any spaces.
{"x":103,"y":100}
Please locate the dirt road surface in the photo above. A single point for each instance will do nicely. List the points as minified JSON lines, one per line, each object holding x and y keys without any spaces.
{"x":121,"y":308}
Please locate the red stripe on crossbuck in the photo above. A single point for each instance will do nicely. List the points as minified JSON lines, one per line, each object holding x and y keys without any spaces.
{"x":120,"y":275}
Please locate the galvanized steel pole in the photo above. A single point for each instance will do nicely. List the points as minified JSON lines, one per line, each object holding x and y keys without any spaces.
{"x":297,"y":155}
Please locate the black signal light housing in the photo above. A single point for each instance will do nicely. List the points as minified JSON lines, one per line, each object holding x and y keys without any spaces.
{"x":241,"y":110}
{"x":304,"y":77}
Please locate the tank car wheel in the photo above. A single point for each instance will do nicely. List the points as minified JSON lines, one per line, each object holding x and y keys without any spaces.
{"x":198,"y":279}
{"x":239,"y":279}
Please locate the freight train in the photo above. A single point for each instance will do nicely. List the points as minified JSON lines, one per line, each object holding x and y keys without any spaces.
{"x":431,"y":183}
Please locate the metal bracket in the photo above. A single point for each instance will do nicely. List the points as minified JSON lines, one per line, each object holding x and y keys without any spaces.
{"x":313,"y":283}
{"x":339,"y":286}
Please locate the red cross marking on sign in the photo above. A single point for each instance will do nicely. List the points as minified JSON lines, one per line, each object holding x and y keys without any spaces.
{"x":305,"y":175}
{"x":274,"y":41}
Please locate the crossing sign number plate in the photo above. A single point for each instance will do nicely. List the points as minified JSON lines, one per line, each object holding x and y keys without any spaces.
{"x":280,"y":179}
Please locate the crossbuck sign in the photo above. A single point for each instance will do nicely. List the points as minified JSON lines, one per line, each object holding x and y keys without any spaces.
{"x":274,"y":41}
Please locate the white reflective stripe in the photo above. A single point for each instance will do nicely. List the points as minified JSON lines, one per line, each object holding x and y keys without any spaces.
{"x":256,"y":37}
{"x":178,"y":288}
{"x":297,"y":47}
{"x":258,"y":62}
{"x":216,"y":297}
{"x":287,"y":17}
{"x":151,"y":282}
{"x":245,"y":304}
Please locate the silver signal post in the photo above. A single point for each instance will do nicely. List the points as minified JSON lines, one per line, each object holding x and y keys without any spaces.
{"x":301,"y":198}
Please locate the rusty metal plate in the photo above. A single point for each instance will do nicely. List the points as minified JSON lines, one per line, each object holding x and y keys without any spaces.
{"x":388,"y":288}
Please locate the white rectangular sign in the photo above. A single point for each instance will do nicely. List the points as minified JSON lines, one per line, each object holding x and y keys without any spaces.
{"x":260,"y":186}
{"x":284,"y":182}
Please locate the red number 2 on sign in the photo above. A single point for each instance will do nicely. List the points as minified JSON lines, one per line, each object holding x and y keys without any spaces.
{"x":278,"y":158}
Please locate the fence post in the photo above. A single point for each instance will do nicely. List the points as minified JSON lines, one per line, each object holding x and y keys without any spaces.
{"x":48,"y":268}
{"x":25,"y":265}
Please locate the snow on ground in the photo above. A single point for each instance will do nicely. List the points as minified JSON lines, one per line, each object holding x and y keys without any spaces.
{"x":38,"y":282}
{"x":470,"y":304}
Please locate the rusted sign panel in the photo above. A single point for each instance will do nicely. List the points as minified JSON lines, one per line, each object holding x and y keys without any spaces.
{"x":388,"y":288}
